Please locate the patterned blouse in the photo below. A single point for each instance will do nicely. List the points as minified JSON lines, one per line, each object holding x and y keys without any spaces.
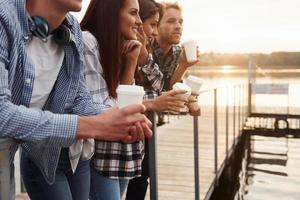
{"x":114,"y":160}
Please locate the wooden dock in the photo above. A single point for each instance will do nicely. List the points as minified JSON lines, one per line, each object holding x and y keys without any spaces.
{"x":175,"y":155}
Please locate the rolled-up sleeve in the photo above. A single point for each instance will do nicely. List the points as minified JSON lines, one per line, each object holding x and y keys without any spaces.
{"x":31,"y":125}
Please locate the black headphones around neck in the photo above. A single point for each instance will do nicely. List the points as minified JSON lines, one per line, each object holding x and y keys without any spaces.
{"x":39,"y":27}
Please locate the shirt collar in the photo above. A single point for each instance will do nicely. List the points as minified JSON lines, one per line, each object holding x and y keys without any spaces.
{"x":156,"y":48}
{"x":22,"y":15}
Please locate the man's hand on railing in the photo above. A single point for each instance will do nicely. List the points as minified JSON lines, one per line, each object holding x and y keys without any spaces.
{"x":193,"y":106}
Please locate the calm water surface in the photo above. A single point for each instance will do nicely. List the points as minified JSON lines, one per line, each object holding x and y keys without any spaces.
{"x":270,"y":169}
{"x":226,"y":76}
{"x":270,"y":165}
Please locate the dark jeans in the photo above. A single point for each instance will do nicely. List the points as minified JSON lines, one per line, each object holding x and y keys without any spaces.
{"x":137,"y":187}
{"x":104,"y":188}
{"x":67,"y":186}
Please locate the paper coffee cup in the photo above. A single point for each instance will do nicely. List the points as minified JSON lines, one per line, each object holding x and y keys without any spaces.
{"x":190,"y":48}
{"x":194,"y":83}
{"x":182,"y":86}
{"x":130,"y":94}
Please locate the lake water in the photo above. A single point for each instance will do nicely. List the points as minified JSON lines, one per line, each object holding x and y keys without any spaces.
{"x":270,"y":165}
{"x":270,"y":169}
{"x":226,"y":76}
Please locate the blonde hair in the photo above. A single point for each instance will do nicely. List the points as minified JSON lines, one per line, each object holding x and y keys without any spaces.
{"x":167,"y":5}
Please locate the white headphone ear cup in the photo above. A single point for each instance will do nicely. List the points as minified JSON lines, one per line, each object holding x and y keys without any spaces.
{"x":62,"y":35}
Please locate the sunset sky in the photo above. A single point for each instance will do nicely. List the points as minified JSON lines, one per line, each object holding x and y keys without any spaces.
{"x":240,"y":26}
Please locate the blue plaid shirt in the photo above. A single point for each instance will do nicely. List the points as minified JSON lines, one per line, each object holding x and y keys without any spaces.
{"x":45,"y":132}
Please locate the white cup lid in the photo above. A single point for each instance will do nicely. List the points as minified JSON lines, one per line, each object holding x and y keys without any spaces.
{"x":182,"y":86}
{"x":130,"y":89}
{"x":195,"y":79}
{"x":189,"y":41}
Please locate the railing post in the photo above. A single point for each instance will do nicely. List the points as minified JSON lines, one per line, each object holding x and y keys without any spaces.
{"x":239,"y":112}
{"x":5,"y":168}
{"x":251,"y":80}
{"x":196,"y":158}
{"x":152,"y":159}
{"x":234,"y":128}
{"x":216,"y":134}
{"x":242,"y":106}
{"x":227,"y":123}
{"x":249,"y":99}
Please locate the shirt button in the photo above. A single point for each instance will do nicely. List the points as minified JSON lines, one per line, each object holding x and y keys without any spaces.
{"x":28,"y":81}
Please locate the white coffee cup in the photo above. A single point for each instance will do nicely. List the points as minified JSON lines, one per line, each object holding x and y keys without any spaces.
{"x":130,"y":94}
{"x":182,"y":86}
{"x":190,"y":48}
{"x":194,"y":83}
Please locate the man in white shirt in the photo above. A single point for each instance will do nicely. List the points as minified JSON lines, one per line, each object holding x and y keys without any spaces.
{"x":61,"y":111}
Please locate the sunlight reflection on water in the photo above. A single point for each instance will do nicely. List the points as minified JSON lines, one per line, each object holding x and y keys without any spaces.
{"x":225,"y":77}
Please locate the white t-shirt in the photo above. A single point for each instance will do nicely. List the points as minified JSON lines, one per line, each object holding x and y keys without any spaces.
{"x":47,"y":58}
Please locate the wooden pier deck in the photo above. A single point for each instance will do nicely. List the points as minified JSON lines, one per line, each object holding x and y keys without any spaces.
{"x":175,"y":156}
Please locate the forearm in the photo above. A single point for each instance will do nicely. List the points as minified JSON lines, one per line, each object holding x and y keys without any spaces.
{"x":178,"y":74}
{"x":85,"y":128}
{"x":128,"y":74}
{"x":143,"y":56}
{"x":149,"y":104}
{"x":36,"y":126}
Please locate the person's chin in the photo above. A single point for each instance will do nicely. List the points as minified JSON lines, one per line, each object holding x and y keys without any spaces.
{"x":176,"y":41}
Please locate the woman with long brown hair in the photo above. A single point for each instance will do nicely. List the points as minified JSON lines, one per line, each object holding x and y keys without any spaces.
{"x":111,"y":54}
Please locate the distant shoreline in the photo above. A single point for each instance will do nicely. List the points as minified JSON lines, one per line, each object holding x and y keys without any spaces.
{"x":242,"y":71}
{"x":245,"y":66}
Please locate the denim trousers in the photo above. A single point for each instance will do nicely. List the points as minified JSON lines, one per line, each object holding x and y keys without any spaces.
{"x":7,"y":178}
{"x":103,"y":188}
{"x":67,"y":185}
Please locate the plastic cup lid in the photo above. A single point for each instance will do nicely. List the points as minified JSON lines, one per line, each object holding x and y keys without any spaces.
{"x":130,"y":89}
{"x":189,"y":41}
{"x":195,"y":79}
{"x":181,"y":86}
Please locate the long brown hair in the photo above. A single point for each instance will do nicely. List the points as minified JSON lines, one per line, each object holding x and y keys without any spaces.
{"x":148,"y":8}
{"x":102,"y":20}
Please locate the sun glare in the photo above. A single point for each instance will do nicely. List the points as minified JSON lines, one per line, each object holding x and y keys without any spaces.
{"x":227,"y":69}
{"x":231,"y":26}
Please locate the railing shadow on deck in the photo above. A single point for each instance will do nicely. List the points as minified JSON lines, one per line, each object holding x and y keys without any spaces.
{"x":228,"y":108}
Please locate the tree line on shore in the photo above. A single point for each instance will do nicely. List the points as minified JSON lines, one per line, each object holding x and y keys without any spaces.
{"x":274,"y":60}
